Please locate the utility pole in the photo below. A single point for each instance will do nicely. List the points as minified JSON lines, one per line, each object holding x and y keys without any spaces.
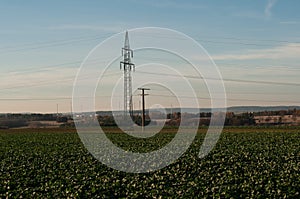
{"x":57,"y":110}
{"x":143,"y":104}
{"x":171,"y":111}
{"x":57,"y":116}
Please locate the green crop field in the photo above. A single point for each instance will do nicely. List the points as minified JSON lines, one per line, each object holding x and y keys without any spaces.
{"x":246,"y":163}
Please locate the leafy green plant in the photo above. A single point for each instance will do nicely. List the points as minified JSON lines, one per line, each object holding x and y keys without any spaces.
{"x":246,"y":162}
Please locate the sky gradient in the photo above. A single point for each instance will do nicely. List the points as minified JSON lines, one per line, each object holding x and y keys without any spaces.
{"x":43,"y":43}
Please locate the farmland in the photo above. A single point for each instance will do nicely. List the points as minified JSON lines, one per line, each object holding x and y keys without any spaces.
{"x":254,"y":162}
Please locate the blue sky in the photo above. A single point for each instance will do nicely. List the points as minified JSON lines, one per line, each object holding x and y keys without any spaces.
{"x":44,"y":42}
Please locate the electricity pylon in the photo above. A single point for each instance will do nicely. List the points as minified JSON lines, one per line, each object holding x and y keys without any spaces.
{"x":127,"y":67}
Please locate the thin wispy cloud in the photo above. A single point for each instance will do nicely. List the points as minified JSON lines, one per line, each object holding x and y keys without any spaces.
{"x":20,"y":80}
{"x":268,"y":8}
{"x":288,"y":51}
{"x":289,"y":22}
{"x":249,"y":14}
{"x":172,"y":4}
{"x":86,"y":27}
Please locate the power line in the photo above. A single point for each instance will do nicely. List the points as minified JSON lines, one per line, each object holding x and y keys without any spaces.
{"x":34,"y":99}
{"x":230,"y":99}
{"x":238,"y":93}
{"x":161,"y":95}
{"x":258,"y":67}
{"x":34,"y":46}
{"x":236,"y":41}
{"x":157,"y":95}
{"x":45,"y":68}
{"x":71,"y":78}
{"x":225,"y":79}
{"x":55,"y":66}
{"x":51,"y":82}
{"x":48,"y":44}
{"x":50,"y":67}
{"x":256,"y":40}
{"x":80,"y":39}
{"x":163,"y":35}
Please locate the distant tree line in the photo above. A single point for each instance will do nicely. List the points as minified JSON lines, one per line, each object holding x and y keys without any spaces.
{"x":243,"y":119}
{"x":12,"y":123}
{"x":30,"y":117}
{"x":15,"y":120}
{"x":110,"y":121}
{"x":294,"y":112}
{"x":172,"y":119}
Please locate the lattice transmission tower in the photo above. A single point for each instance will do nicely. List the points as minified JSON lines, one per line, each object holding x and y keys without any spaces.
{"x":127,"y":67}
